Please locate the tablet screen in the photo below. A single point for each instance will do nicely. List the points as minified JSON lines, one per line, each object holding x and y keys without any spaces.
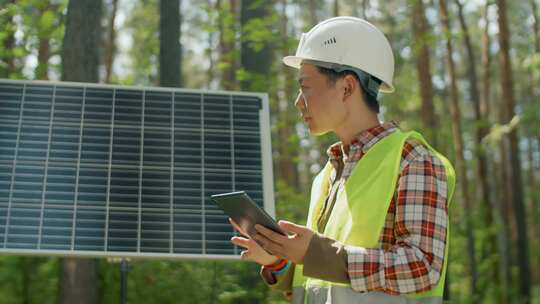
{"x":245,"y":212}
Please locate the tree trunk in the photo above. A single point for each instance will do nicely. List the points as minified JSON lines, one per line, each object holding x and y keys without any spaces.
{"x":484,"y":107}
{"x":286,"y":168}
{"x":504,"y":203}
{"x":532,"y":197}
{"x":210,"y":73}
{"x":421,"y":50}
{"x":80,"y":58}
{"x":492,"y":206}
{"x":514,"y":157}
{"x":336,"y":8}
{"x":80,"y":61}
{"x":458,"y":146}
{"x":490,"y":250}
{"x":255,"y":62}
{"x":313,"y":13}
{"x":9,"y":44}
{"x":78,"y":283}
{"x":43,"y":58}
{"x":26,"y":265}
{"x":44,"y":37}
{"x":504,"y":210}
{"x":227,"y":35}
{"x":535,"y":207}
{"x":111,"y":44}
{"x":536,"y":25}
{"x":170,"y":52}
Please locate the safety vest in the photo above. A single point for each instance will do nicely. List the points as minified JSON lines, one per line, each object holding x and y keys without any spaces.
{"x":358,"y":217}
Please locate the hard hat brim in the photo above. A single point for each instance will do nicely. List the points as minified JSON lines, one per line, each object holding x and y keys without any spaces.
{"x":293,"y":61}
{"x":296,"y":62}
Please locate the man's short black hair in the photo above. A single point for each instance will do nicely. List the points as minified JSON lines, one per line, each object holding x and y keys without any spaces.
{"x":333,"y":76}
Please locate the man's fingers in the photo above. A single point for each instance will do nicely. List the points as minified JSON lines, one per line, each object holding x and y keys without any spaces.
{"x":237,"y":227}
{"x":291,"y":227}
{"x":273,"y":236}
{"x":240,"y":241}
{"x":271,"y":241}
{"x":267,"y":244}
{"x":244,"y":255}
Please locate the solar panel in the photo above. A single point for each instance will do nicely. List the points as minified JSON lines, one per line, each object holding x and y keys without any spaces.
{"x":99,"y":170}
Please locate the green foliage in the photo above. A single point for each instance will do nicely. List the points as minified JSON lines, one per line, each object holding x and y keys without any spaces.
{"x":10,"y":51}
{"x":142,"y":25}
{"x":42,"y":22}
{"x":30,"y":279}
{"x":259,"y":32}
{"x":291,"y":204}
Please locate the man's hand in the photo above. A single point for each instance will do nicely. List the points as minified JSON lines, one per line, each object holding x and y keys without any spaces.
{"x":254,"y":251}
{"x":292,"y":247}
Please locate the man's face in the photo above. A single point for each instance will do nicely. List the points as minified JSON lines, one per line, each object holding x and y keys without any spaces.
{"x":318,"y":100}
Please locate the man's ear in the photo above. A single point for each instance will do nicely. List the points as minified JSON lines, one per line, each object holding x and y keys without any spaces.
{"x":350,"y":85}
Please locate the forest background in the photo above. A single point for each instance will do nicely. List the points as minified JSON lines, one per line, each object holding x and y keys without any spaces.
{"x":467,"y":76}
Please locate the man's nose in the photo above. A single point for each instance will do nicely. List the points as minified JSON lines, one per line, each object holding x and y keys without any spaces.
{"x":300,"y":102}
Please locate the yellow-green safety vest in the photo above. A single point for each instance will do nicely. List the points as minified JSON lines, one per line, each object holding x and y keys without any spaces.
{"x":360,"y":210}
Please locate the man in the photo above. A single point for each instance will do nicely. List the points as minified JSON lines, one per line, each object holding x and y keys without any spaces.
{"x":377,"y":228}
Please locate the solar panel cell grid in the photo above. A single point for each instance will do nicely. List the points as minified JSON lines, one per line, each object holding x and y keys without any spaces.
{"x":117,"y":169}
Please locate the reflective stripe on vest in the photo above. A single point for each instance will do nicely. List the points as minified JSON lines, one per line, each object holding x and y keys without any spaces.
{"x":359,"y":215}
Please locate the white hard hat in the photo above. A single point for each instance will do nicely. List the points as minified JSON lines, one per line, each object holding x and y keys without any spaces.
{"x":347,"y":41}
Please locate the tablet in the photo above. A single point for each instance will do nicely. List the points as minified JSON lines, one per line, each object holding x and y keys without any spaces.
{"x":245,"y":212}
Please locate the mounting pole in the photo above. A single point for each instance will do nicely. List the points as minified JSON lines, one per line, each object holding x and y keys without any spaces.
{"x":124,"y":268}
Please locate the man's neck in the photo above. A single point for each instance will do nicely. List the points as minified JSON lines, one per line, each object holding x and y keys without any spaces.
{"x":352,"y":127}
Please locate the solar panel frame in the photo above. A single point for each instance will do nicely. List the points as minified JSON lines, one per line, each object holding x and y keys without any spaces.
{"x":69,"y":114}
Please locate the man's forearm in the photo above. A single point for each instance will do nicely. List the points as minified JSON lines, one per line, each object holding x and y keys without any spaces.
{"x":326,"y":259}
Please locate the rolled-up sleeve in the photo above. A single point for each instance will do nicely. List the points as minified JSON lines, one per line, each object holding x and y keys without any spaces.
{"x":281,"y":282}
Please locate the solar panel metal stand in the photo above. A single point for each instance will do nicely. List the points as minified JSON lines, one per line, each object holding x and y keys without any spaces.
{"x":124,"y":269}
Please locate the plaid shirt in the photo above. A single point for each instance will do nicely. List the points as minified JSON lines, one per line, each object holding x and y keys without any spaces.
{"x":411,"y":247}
